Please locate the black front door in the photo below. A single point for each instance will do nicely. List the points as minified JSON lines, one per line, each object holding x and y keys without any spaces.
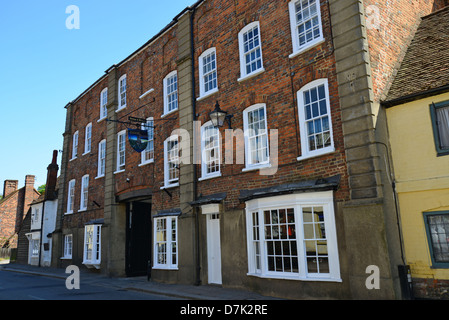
{"x":138,"y":238}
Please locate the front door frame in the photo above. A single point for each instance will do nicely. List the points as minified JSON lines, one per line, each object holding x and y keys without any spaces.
{"x":214,"y":249}
{"x":130,"y":269}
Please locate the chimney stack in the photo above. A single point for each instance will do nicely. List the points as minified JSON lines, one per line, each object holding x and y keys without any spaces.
{"x":29,"y":181}
{"x":9,"y":187}
{"x":52,"y":177}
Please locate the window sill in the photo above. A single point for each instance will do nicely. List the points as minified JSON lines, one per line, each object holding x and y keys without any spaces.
{"x":165,"y":268}
{"x":119,"y":171}
{"x":257,"y":167}
{"x":308,"y":47}
{"x":174,"y":185}
{"x":91,"y":265}
{"x":99,"y":177}
{"x":442,"y":152}
{"x":207,"y":94}
{"x":440,"y":265}
{"x":145,"y":163}
{"x":170,"y":112}
{"x":65,"y":258}
{"x":251,"y":75}
{"x":85,"y":153}
{"x":82,"y":210}
{"x":146,"y":93}
{"x":101,"y":119}
{"x":323,"y":152}
{"x":294,"y":277}
{"x":69,"y":213}
{"x":120,"y":109}
{"x":73,"y":159}
{"x":210,"y":177}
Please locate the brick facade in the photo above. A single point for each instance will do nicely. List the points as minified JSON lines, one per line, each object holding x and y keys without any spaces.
{"x":13,"y":208}
{"x":431,"y":289}
{"x":358,"y":197}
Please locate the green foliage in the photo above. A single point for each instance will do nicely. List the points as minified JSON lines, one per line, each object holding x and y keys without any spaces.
{"x":41,"y":189}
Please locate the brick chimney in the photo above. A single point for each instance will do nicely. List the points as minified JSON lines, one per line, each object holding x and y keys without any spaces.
{"x":52,"y":176}
{"x":9,"y":187}
{"x":29,"y":181}
{"x":28,"y":195}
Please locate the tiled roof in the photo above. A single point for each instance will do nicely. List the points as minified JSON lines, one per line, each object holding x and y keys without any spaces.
{"x":425,"y":67}
{"x":5,"y":199}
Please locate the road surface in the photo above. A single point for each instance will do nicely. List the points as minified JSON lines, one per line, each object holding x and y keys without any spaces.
{"x":19,"y":286}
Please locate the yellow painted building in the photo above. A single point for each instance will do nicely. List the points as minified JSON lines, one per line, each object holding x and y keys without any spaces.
{"x":422,"y":180}
{"x":417,"y":111}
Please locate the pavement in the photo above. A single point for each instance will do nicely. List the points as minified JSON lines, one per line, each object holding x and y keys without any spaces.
{"x":178,"y":291}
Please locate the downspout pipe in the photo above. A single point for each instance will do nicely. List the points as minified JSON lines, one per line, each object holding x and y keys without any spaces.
{"x":41,"y":245}
{"x":194,"y":117}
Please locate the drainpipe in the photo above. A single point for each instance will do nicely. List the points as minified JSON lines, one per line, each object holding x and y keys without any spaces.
{"x":195,"y":187}
{"x":41,"y":239}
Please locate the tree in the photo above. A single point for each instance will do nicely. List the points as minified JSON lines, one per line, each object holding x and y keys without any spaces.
{"x":41,"y":189}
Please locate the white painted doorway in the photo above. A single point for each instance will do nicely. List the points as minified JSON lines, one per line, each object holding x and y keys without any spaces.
{"x":213,"y":248}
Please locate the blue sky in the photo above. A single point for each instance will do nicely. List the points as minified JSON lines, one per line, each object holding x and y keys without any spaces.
{"x":44,"y":66}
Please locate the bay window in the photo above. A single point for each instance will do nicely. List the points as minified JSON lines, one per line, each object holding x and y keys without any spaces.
{"x":293,"y":237}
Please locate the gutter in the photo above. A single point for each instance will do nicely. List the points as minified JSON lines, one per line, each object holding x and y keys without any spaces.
{"x":415,"y":96}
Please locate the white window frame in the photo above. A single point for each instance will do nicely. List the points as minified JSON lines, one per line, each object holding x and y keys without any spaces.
{"x":34,"y":215}
{"x":212,"y":72}
{"x":122,"y":88}
{"x":243,"y":71}
{"x":170,"y":183}
{"x":71,"y":196}
{"x":68,"y":246}
{"x":205,"y":149}
{"x":101,"y":159}
{"x":103,"y":104}
{"x":84,"y":193}
{"x":306,"y":153}
{"x":92,"y":246}
{"x":297,"y":47}
{"x":257,"y":242}
{"x":88,"y":139}
{"x":147,"y":155}
{"x":250,"y":134}
{"x":168,"y":241}
{"x":75,"y":140}
{"x":166,"y":85}
{"x":35,"y":247}
{"x":121,"y":151}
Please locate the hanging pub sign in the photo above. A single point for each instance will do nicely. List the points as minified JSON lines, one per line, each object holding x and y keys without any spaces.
{"x":138,"y":139}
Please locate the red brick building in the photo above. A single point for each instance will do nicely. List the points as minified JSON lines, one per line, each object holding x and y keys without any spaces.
{"x":13,"y":207}
{"x":289,"y":198}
